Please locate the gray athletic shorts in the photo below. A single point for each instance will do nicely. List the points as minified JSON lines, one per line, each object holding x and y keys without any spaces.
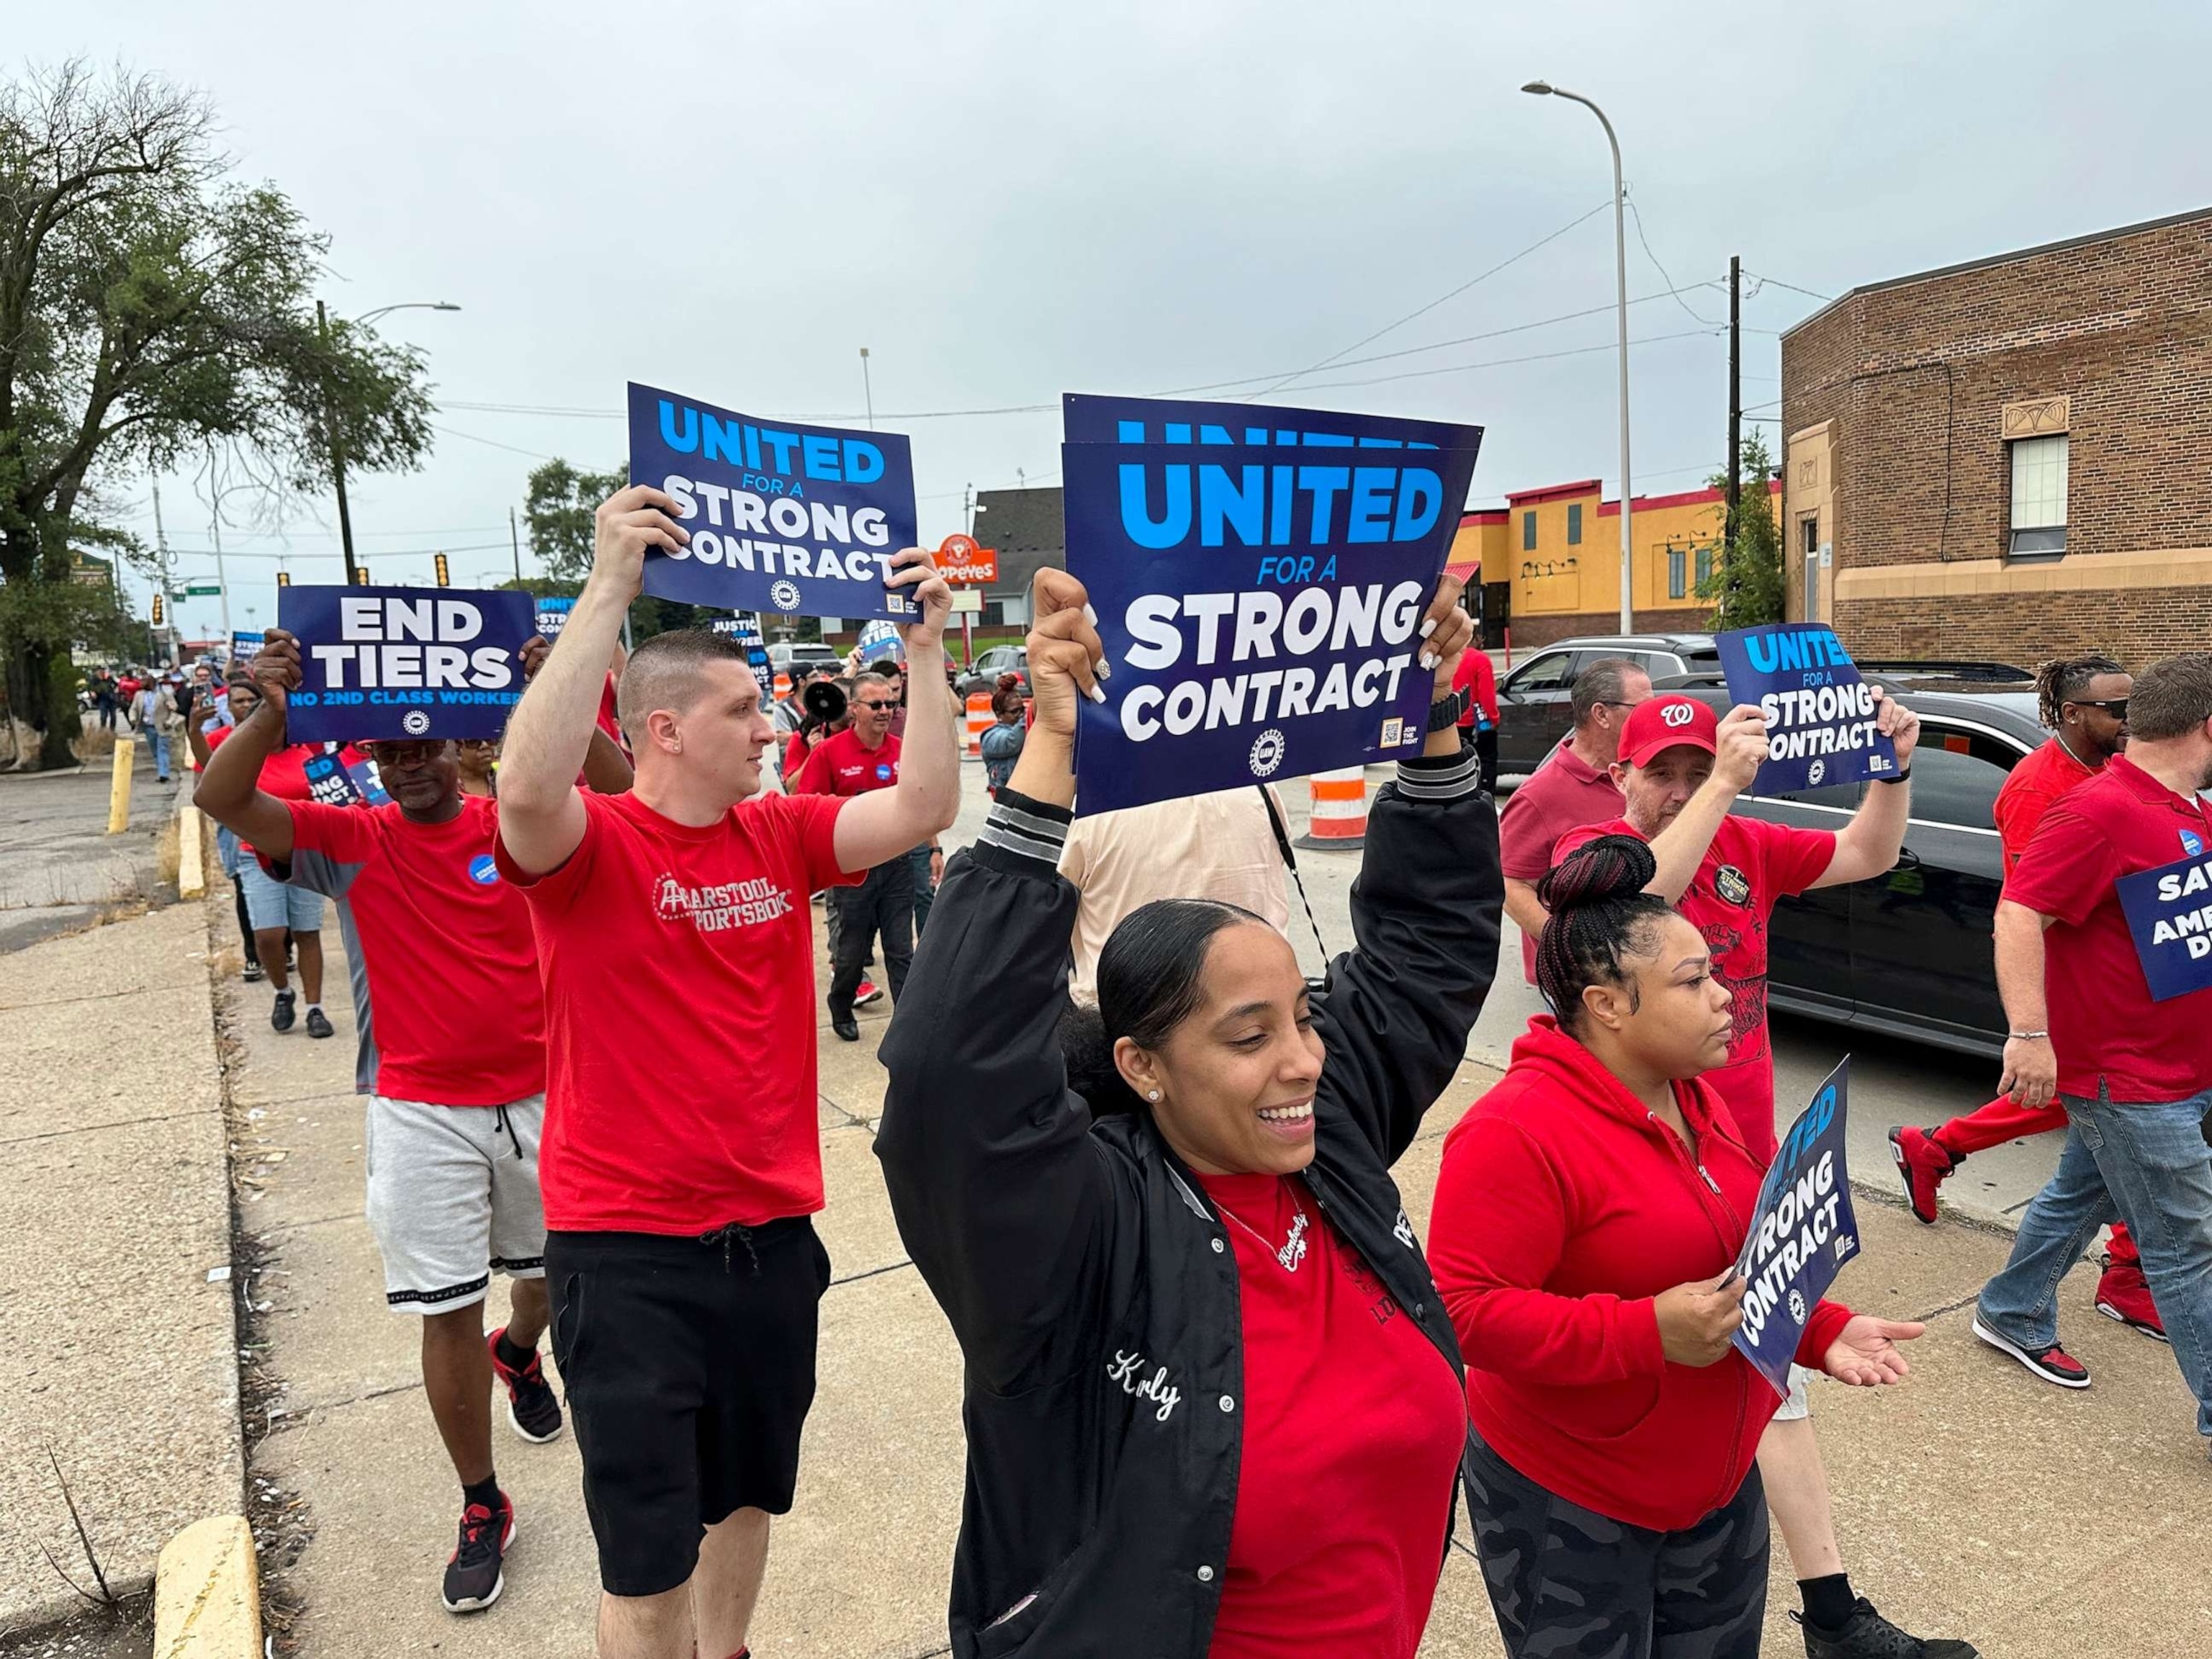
{"x":1797,"y":1407}
{"x":453,"y":1195}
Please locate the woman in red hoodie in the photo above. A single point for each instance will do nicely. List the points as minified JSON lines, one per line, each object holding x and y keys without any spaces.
{"x":1588,"y":1214}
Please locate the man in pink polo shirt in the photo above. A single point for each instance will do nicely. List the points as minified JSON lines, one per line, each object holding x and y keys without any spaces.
{"x":1573,"y":787}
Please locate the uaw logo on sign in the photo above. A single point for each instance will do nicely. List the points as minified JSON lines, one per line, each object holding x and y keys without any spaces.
{"x":415,"y":722}
{"x":1267,"y":753}
{"x":785,"y":597}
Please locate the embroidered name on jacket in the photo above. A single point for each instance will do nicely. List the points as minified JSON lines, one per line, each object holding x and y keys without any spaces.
{"x":1128,"y":1368}
{"x":725,"y":905}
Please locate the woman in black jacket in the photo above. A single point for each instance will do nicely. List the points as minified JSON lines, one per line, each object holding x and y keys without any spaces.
{"x":1213,"y":1403}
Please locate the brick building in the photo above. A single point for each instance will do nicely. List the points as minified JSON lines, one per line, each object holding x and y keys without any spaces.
{"x":2011,"y":458}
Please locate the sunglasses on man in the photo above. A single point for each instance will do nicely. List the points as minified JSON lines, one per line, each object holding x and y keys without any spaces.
{"x":2115,"y":706}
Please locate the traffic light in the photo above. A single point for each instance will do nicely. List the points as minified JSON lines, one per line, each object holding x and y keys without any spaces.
{"x":157,"y":610}
{"x":360,"y":575}
{"x":283,"y":579}
{"x":444,"y":578}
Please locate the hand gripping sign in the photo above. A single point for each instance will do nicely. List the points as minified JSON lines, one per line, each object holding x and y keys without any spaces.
{"x":1260,"y":576}
{"x":1819,"y":714}
{"x":2169,"y":912}
{"x":799,"y":520}
{"x":394,"y":663}
{"x":1803,"y":1232}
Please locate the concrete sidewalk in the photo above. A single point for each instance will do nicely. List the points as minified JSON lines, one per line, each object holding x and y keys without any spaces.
{"x":1974,"y":1502}
{"x":120,"y":1356}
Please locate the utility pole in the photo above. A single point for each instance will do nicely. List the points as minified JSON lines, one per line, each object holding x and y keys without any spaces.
{"x":161,"y":554}
{"x":968,"y":508}
{"x":337,"y":452}
{"x":215,"y":524}
{"x":514,"y":536}
{"x":1735,"y":403}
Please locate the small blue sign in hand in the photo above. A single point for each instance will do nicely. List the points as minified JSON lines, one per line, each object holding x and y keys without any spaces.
{"x":1821,"y":720}
{"x":1803,"y":1232}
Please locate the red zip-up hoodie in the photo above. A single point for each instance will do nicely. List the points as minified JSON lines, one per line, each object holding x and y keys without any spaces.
{"x":1564,"y":1208}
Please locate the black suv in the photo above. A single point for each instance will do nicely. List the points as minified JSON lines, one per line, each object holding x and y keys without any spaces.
{"x":1533,"y":714}
{"x":1909,"y":954}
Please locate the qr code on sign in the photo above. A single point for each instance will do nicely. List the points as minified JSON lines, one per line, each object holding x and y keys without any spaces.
{"x":1394,"y":732}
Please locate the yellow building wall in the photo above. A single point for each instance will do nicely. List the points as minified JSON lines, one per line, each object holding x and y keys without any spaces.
{"x":1556,"y":577}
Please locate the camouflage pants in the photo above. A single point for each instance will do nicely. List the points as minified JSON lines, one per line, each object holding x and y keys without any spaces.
{"x":1569,"y":1584}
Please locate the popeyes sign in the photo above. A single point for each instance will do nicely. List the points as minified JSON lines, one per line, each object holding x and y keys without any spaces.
{"x":964,"y":564}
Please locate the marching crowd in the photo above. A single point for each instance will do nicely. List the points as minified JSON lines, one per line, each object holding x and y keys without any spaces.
{"x":1219,"y":1398}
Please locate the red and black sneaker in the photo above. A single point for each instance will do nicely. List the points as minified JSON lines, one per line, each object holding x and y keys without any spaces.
{"x":531,"y":1410}
{"x":476,"y":1574}
{"x":1923,"y":1162}
{"x":2052,"y":1365}
{"x":2123,"y":1294}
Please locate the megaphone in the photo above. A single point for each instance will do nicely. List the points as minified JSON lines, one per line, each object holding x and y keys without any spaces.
{"x":823,"y":702}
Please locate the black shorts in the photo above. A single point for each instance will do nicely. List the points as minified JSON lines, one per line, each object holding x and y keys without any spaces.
{"x":690,"y":1369}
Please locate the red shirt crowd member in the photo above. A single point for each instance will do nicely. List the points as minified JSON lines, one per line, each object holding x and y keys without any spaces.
{"x":2084,"y":702}
{"x":1478,"y":678}
{"x":1199,"y":1257}
{"x":862,"y":758}
{"x":2135,"y":1075}
{"x":681,"y":1164}
{"x":1571,"y":787}
{"x":1589,"y":1212}
{"x":452,"y":1056}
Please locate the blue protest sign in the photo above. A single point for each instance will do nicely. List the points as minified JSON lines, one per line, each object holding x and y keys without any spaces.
{"x":553,"y":615}
{"x":1819,"y":714}
{"x":1260,"y":604}
{"x":404,"y":662}
{"x":246,"y":643}
{"x":1803,"y":1232}
{"x":331,"y":781}
{"x":879,"y":640}
{"x":2169,"y":912}
{"x":746,"y":628}
{"x":784,"y":516}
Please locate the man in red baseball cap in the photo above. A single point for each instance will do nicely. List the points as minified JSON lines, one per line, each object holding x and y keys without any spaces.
{"x":1681,"y":768}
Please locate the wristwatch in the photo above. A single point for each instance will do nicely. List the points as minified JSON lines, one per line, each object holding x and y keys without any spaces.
{"x":1446,"y":710}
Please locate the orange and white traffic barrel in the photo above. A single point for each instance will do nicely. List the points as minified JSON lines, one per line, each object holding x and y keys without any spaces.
{"x":1339,"y":818}
{"x":979,"y":720}
{"x":782,"y":687}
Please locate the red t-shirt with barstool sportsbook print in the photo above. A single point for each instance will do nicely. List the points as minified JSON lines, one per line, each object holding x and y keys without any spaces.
{"x":678,"y":969}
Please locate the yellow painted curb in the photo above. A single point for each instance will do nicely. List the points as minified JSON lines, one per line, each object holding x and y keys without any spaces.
{"x":207,"y":1593}
{"x":191,"y":851}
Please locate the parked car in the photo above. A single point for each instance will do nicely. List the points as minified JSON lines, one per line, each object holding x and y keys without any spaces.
{"x":1909,"y":954}
{"x":797,"y":658}
{"x":1533,"y":714}
{"x":989,"y":664}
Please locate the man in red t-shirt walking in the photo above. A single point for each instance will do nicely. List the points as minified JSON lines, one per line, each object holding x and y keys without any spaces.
{"x":2136,"y":1075}
{"x":857,"y":760}
{"x":1680,"y":769}
{"x":1477,"y":675}
{"x":681,"y":1162}
{"x":2084,"y":703}
{"x":451,"y":1028}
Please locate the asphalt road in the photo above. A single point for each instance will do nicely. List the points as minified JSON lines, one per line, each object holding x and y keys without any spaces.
{"x":1892,"y":1081}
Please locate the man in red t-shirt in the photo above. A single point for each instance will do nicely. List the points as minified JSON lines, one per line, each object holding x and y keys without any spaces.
{"x":450,"y":1023}
{"x":857,"y":760}
{"x":1478,"y":678}
{"x":1680,"y":771}
{"x":681,"y":1162}
{"x":2135,"y":1075}
{"x":1572,"y":786}
{"x":2084,"y":703}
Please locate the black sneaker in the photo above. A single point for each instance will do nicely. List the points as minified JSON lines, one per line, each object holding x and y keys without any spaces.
{"x":848,"y":1028}
{"x":319,"y":1023}
{"x":254,"y":973}
{"x":281,"y":1016}
{"x":2052,"y":1365}
{"x":531,"y":1406}
{"x":1866,"y":1635}
{"x":476,"y":1572}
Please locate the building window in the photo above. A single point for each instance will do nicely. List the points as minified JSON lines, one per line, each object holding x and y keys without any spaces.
{"x":1574,"y":524}
{"x":2038,"y":494}
{"x":1705,"y":568}
{"x":1678,"y":564}
{"x":1528,"y":531}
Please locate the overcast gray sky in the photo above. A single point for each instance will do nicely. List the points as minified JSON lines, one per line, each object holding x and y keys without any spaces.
{"x":1005,"y":202}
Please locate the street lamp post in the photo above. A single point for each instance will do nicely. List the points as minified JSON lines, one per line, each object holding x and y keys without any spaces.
{"x":867,"y":390}
{"x":1546,"y":89}
{"x":329,"y":416}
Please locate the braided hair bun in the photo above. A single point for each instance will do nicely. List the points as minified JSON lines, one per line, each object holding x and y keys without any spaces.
{"x":1599,"y":912}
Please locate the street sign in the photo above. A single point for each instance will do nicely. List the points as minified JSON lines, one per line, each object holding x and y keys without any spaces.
{"x":202,"y":590}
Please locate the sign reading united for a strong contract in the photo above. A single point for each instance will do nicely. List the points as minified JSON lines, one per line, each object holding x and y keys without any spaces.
{"x":1821,"y":720}
{"x":1803,"y":1232}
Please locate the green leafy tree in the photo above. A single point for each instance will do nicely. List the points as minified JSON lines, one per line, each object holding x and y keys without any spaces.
{"x":1746,"y":584}
{"x":151,"y":307}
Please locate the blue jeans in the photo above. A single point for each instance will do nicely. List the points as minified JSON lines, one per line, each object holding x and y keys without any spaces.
{"x":157,"y":742}
{"x":2149,"y":1165}
{"x":924,"y":890}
